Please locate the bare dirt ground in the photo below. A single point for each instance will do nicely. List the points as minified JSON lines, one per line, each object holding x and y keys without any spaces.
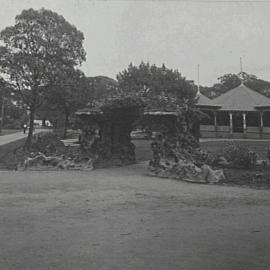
{"x":118,"y":218}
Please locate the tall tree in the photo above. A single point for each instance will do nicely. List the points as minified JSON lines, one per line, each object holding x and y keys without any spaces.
{"x":70,"y":92}
{"x":37,"y":49}
{"x":162,"y":89}
{"x":159,"y":85}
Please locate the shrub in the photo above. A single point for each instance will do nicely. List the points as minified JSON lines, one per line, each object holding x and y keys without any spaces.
{"x":14,"y":124}
{"x":240,"y":156}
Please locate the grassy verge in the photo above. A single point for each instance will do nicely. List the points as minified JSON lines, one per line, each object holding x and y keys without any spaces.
{"x":10,"y":154}
{"x":9,"y":131}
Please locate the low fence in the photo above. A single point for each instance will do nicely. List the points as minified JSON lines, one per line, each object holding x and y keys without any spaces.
{"x":208,"y":131}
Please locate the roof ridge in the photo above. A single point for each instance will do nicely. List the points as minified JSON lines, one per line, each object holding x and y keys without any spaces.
{"x":241,"y":98}
{"x":241,"y":86}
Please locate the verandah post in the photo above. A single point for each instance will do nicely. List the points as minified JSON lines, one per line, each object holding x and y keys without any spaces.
{"x":261,"y":124}
{"x":244,"y":125}
{"x":215,"y":123}
{"x":231,"y":125}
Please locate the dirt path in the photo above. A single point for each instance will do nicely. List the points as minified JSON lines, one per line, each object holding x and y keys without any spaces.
{"x":119,"y":218}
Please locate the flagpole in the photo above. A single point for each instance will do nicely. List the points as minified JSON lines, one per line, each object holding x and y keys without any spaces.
{"x":198,"y":79}
{"x":241,"y":71}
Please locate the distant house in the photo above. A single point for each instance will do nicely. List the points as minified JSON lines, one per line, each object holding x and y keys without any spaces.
{"x":239,"y":113}
{"x":39,"y":123}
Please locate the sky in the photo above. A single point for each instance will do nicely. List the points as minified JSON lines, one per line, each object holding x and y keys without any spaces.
{"x":181,"y":34}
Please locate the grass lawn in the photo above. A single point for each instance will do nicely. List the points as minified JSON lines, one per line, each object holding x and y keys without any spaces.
{"x":9,"y":131}
{"x":143,"y":150}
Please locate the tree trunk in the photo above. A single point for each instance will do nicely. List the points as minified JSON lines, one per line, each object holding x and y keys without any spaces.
{"x":66,"y":124}
{"x":44,"y":122}
{"x":31,"y":129}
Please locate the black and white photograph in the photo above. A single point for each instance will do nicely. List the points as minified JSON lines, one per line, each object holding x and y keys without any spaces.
{"x":134,"y":135}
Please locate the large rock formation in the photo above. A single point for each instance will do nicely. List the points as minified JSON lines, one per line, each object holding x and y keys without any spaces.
{"x":106,"y":131}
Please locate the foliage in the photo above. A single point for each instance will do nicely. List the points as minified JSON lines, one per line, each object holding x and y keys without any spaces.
{"x":162,"y":89}
{"x":66,"y":95}
{"x":122,"y":102}
{"x":14,"y":116}
{"x":37,"y":49}
{"x":100,"y":87}
{"x":48,"y":144}
{"x":240,"y":156}
{"x":153,"y":82}
{"x":230,"y":81}
{"x":201,"y":157}
{"x":120,"y":108}
{"x":15,"y":113}
{"x":106,"y":130}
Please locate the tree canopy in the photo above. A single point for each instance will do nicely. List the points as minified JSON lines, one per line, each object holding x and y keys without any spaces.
{"x":230,"y":81}
{"x":101,"y":87}
{"x":40,"y":47}
{"x":70,"y":93}
{"x":161,"y":87}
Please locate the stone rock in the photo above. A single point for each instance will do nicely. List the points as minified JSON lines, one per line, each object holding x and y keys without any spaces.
{"x":212,"y":176}
{"x":262,"y":162}
{"x":222,"y":161}
{"x":185,"y":170}
{"x":58,"y":162}
{"x":33,"y":161}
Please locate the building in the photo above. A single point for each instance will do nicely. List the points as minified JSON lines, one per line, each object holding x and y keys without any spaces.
{"x":239,"y":113}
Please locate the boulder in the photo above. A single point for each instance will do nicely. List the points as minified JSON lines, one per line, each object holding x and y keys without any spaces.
{"x":212,"y":176}
{"x":57,"y":162}
{"x":185,"y":170}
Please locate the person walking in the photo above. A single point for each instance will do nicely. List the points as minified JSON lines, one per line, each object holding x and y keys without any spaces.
{"x":24,"y":128}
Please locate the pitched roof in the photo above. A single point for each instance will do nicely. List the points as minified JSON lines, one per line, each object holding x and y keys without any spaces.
{"x":241,"y":98}
{"x":204,"y":101}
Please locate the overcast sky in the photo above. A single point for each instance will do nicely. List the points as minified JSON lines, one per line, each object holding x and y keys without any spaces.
{"x":181,"y":34}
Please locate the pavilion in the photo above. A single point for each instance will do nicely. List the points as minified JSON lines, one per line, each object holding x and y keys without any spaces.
{"x":239,"y":113}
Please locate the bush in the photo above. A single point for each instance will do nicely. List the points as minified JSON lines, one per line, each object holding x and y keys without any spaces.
{"x":240,"y":156}
{"x":15,"y":124}
{"x":47,"y":143}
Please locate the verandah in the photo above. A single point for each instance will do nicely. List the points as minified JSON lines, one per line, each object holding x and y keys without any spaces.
{"x":236,"y":124}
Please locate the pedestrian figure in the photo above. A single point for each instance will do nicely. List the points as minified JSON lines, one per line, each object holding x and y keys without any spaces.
{"x":24,"y":128}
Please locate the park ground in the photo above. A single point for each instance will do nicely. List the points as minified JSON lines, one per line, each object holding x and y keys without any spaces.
{"x":119,"y":218}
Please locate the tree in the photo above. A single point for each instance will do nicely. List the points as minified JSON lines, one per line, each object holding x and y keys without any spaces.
{"x":152,"y":81}
{"x":37,"y":49}
{"x":102,"y":87}
{"x":162,"y":89}
{"x":14,"y":115}
{"x":11,"y":111}
{"x":70,"y":93}
{"x":230,"y":81}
